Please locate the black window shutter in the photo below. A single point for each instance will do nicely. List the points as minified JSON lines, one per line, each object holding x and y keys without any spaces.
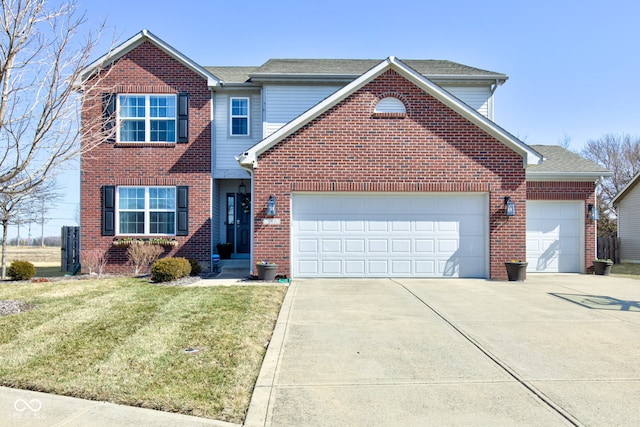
{"x":183,"y":117}
{"x":108,"y":210}
{"x":182,"y":211}
{"x":109,"y":116}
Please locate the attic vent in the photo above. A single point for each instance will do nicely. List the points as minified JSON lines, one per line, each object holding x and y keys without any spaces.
{"x":390,"y":107}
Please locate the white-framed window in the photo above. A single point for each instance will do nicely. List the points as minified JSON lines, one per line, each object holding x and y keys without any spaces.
{"x":239,"y":116}
{"x":146,"y":118}
{"x":390,"y":105}
{"x":146,"y":210}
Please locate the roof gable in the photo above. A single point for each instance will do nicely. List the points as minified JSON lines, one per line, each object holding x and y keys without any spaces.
{"x":249,"y":159}
{"x":626,"y":189}
{"x":135,"y":41}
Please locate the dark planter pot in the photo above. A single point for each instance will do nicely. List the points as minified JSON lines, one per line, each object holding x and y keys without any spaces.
{"x":516,"y":271}
{"x":267,"y":272}
{"x":224,"y":251}
{"x":602,"y":268}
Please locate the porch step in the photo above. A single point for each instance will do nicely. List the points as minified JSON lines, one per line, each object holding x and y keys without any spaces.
{"x":235,"y":264}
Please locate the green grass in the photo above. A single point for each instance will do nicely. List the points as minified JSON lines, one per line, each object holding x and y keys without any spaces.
{"x":626,"y":270}
{"x":122,"y":340}
{"x":49,"y":271}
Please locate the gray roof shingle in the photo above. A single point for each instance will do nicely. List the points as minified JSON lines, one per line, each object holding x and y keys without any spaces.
{"x":232,"y":74}
{"x":560,"y":160}
{"x":345,"y":67}
{"x":356,"y":67}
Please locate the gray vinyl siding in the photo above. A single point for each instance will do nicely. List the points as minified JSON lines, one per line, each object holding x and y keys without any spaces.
{"x":284,"y":103}
{"x":629,"y":225}
{"x":226,"y":147}
{"x":477,"y":97}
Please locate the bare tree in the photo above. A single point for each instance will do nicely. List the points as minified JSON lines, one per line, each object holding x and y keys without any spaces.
{"x":565,"y":142}
{"x":44,"y":49}
{"x":21,"y":208}
{"x":618,"y":153}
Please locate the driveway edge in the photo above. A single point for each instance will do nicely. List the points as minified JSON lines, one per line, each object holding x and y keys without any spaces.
{"x":259,"y":412}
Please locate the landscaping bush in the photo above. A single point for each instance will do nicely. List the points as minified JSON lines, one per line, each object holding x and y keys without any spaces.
{"x":95,"y":260}
{"x":195,"y":267}
{"x":167,"y":269}
{"x":141,"y":256}
{"x":21,"y":270}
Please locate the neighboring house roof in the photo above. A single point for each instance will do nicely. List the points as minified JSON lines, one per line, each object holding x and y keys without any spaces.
{"x":249,"y":159}
{"x":349,"y":69}
{"x":634,"y":181}
{"x":135,"y":41}
{"x":562,"y":164}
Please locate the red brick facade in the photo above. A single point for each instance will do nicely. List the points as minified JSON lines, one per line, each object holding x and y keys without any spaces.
{"x":147,"y":69}
{"x":431,"y":149}
{"x":349,"y":148}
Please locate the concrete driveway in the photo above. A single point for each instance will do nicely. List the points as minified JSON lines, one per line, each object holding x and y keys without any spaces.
{"x":554,"y":350}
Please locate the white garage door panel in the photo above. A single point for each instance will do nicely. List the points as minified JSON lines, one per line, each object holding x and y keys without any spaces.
{"x":355,"y":235}
{"x":555,"y":238}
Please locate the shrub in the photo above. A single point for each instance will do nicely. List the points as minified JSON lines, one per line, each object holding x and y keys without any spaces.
{"x":95,"y":260}
{"x":195,"y":267}
{"x":167,"y":269}
{"x":21,"y":270}
{"x":142,"y":256}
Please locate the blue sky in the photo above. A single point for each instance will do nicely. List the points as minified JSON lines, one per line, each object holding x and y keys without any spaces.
{"x":572,"y":65}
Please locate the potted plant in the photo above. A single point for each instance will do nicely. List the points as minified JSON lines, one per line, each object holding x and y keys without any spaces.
{"x":602,"y":267}
{"x":225,"y":250}
{"x":516,"y":270}
{"x":266,"y":270}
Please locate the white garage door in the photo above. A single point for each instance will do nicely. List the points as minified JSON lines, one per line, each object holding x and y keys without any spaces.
{"x":555,"y":236}
{"x":389,"y":235}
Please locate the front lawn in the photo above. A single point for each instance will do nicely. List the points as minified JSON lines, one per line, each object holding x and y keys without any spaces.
{"x":193,"y":350}
{"x":627,"y":270}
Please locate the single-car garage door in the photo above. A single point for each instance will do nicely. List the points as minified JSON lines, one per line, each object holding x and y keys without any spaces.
{"x":555,"y":236}
{"x":389,"y":235}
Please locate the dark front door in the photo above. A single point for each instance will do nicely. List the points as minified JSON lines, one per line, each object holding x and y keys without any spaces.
{"x":238,"y":222}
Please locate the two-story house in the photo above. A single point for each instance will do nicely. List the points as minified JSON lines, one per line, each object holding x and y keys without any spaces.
{"x":329,"y":168}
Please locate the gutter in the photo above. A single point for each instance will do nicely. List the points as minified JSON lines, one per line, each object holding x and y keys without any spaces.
{"x":566,"y":176}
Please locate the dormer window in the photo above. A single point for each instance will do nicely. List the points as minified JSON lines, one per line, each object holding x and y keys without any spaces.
{"x":390,"y":106}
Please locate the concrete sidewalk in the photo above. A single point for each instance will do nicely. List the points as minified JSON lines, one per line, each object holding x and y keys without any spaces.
{"x":554,"y":350}
{"x":23,"y":408}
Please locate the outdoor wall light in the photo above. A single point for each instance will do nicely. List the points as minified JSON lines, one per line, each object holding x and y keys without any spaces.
{"x":271,"y":206}
{"x":594,"y":214}
{"x":509,"y":206}
{"x":242,"y":189}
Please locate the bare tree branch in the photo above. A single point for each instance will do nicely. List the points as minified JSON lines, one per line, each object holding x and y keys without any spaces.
{"x":44,"y":50}
{"x":618,"y":153}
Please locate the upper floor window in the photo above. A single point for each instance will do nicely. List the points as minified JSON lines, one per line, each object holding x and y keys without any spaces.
{"x":239,"y":117}
{"x":146,"y":210}
{"x":147,"y":118}
{"x":390,"y":106}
